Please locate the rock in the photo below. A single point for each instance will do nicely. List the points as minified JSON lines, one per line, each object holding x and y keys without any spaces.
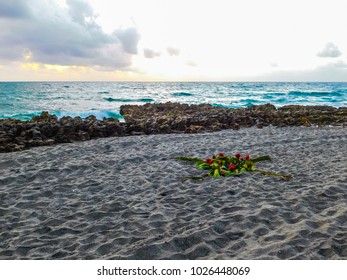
{"x":114,"y":129}
{"x":165,"y":128}
{"x":194,"y":129}
{"x":82,"y":136}
{"x":216,"y":127}
{"x":33,"y":133}
{"x":262,"y":108}
{"x":65,"y":120}
{"x":135,"y":133}
{"x":46,"y":129}
{"x":45,"y":117}
{"x":236,"y":126}
{"x":48,"y":142}
{"x":34,"y":142}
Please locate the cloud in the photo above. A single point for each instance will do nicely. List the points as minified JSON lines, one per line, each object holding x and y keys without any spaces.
{"x":330,"y":50}
{"x":191,"y":63}
{"x":129,"y":39}
{"x":173,"y":51}
{"x":338,"y":64}
{"x":80,"y":11}
{"x":331,"y":72}
{"x":148,"y":53}
{"x":47,"y":33}
{"x":13,"y":9}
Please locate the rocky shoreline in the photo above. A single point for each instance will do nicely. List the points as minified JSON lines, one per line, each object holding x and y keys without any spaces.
{"x":46,"y":130}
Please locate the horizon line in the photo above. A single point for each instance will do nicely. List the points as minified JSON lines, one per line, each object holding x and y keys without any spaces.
{"x":165,"y":81}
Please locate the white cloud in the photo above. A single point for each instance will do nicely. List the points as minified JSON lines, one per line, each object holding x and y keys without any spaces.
{"x":148,"y":53}
{"x":68,"y":35}
{"x":129,"y":39}
{"x":173,"y":51}
{"x":330,"y":50}
{"x":331,"y":72}
{"x":227,"y":39}
{"x":191,"y":63}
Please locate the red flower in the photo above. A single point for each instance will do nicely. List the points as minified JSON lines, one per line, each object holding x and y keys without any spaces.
{"x":221,"y":154}
{"x":214,"y":157}
{"x":247,"y":157}
{"x":249,"y":164}
{"x":232,"y":167}
{"x":219,"y":162}
{"x":237,"y":155}
{"x":208,"y":161}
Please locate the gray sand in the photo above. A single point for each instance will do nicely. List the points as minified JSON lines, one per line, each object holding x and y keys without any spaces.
{"x":126,"y":198}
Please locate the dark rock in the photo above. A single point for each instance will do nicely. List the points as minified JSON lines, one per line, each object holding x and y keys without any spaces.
{"x":45,"y":117}
{"x":82,"y":136}
{"x":262,"y":108}
{"x":46,"y":129}
{"x":165,"y":128}
{"x":48,"y":142}
{"x":113,"y":129}
{"x":194,"y":129}
{"x":65,"y":120}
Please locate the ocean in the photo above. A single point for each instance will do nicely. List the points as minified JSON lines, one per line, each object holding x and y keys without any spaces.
{"x":23,"y":100}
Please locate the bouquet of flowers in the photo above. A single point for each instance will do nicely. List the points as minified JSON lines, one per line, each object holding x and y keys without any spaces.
{"x":225,"y":165}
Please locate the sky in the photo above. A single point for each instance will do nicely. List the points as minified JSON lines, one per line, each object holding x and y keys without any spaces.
{"x":173,"y":40}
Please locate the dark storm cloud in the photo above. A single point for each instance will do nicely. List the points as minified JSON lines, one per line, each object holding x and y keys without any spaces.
{"x":67,"y":36}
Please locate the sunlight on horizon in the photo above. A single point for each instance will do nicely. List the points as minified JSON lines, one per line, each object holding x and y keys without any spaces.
{"x":174,"y":40}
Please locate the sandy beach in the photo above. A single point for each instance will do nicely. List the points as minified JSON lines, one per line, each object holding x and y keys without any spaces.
{"x":127,"y":198}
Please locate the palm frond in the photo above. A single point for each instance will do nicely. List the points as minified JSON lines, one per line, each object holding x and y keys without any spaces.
{"x":195,"y":177}
{"x":191,"y":159}
{"x":285,"y":177}
{"x":262,"y":158}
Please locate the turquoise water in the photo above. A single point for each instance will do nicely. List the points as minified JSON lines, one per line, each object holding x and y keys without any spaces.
{"x":23,"y":100}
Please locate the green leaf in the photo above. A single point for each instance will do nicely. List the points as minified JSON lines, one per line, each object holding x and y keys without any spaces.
{"x":204,"y":166}
{"x":216,"y":173}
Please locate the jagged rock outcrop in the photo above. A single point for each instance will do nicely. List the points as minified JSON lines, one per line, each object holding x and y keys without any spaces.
{"x":46,"y":129}
{"x":175,"y":117}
